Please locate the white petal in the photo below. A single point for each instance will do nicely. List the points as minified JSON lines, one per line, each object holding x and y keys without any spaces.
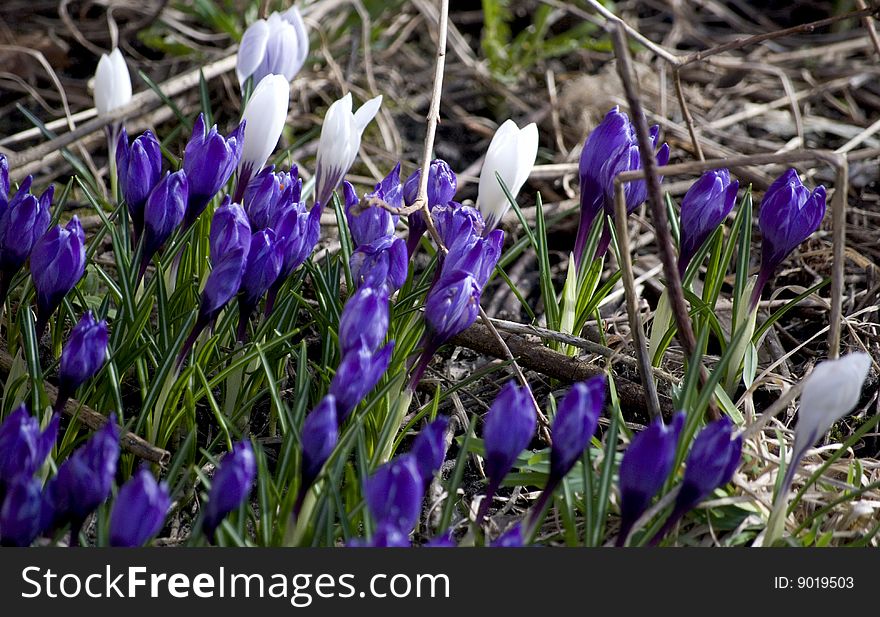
{"x":103,"y":84}
{"x":252,"y":50}
{"x":365,"y":115}
{"x":112,"y":83}
{"x":265,"y":115}
{"x":502,"y":157}
{"x":121,"y":79}
{"x":831,"y":391}
{"x":527,"y":152}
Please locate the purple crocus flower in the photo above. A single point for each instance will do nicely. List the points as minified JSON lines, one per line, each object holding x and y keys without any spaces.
{"x":357,"y":374}
{"x":163,"y":213}
{"x":230,"y":486}
{"x":269,"y":193}
{"x":442,"y":184}
{"x":23,"y":448}
{"x":139,"y":167}
{"x":23,"y":220}
{"x":230,"y":231}
{"x":82,"y":357}
{"x":429,"y":448}
{"x":575,"y":423}
{"x":646,"y":464}
{"x":319,"y":435}
{"x":452,"y":306}
{"x":454,"y":221}
{"x":394,"y":493}
{"x":367,"y":223}
{"x":208,"y":160}
{"x":296,"y":232}
{"x":263,"y":265}
{"x":84,"y":480}
{"x":790,"y":213}
{"x":58,"y":262}
{"x":382,"y":262}
{"x":21,"y":512}
{"x":139,"y":511}
{"x":364,"y":318}
{"x":474,"y":254}
{"x":706,"y":204}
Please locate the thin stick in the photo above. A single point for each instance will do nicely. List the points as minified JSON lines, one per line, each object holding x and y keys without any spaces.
{"x":868,"y":20}
{"x":686,"y":112}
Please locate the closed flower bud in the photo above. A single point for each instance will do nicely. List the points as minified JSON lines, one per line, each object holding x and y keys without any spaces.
{"x":230,"y":231}
{"x":394,"y":493}
{"x":23,"y":221}
{"x":58,"y":262}
{"x":319,"y":435}
{"x":263,"y":265}
{"x":364,"y":319}
{"x":266,"y":194}
{"x":710,"y":464}
{"x":511,"y":155}
{"x":368,"y":223}
{"x":574,"y":425}
{"x":442,"y":184}
{"x":380,"y":263}
{"x":454,"y":221}
{"x":296,"y":232}
{"x":163,"y":213}
{"x":263,"y":117}
{"x":452,"y":306}
{"x":223,"y":283}
{"x":789,"y":214}
{"x":21,"y":512}
{"x":508,"y":428}
{"x":279,"y":44}
{"x":475,"y":255}
{"x":646,"y":464}
{"x":704,"y":207}
{"x":139,"y":511}
{"x":429,"y":448}
{"x":84,"y":480}
{"x":357,"y":374}
{"x":23,"y":448}
{"x":339,"y":143}
{"x":83,"y":355}
{"x":139,"y":167}
{"x":230,"y":486}
{"x":209,"y":160}
{"x":112,"y":83}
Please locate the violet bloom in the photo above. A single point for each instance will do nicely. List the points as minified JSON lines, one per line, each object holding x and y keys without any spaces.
{"x":364,"y":318}
{"x":790,"y":213}
{"x":369,"y":223}
{"x":508,"y":428}
{"x":82,"y":357}
{"x":454,"y":221}
{"x":442,"y":184}
{"x":475,"y":254}
{"x":139,"y":511}
{"x":357,"y":374}
{"x":21,"y":512}
{"x":575,"y":423}
{"x":319,"y":435}
{"x":84,"y":480}
{"x":230,"y":230}
{"x":230,"y":486}
{"x":269,"y":193}
{"x":646,"y":464}
{"x":208,"y":160}
{"x":452,"y":306}
{"x":296,"y":232}
{"x":263,"y":265}
{"x":394,"y":493}
{"x":23,"y":221}
{"x":704,"y":207}
{"x":139,"y":167}
{"x":58,"y":262}
{"x":23,"y":447}
{"x":380,"y":263}
{"x":163,"y":213}
{"x":429,"y":447}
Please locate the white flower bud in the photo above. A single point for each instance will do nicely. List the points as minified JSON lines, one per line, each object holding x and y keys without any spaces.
{"x":112,"y":83}
{"x":264,"y":117}
{"x":511,"y":154}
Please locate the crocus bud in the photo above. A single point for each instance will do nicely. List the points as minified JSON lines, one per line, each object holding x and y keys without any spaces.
{"x":139,"y":511}
{"x":58,"y":262}
{"x":508,"y":428}
{"x":112,"y":83}
{"x":364,"y":319}
{"x":139,"y":167}
{"x":83,"y":356}
{"x":452,"y":306}
{"x":163,"y":213}
{"x":357,"y":374}
{"x":84,"y":480}
{"x":296,"y":232}
{"x":230,"y":486}
{"x":279,"y":45}
{"x":368,"y":223}
{"x":704,"y":207}
{"x":475,"y":255}
{"x":646,"y":464}
{"x":339,"y":144}
{"x":511,"y":155}
{"x":454,"y":221}
{"x":266,"y":194}
{"x":713,"y":459}
{"x":575,"y":423}
{"x":394,"y":493}
{"x":23,"y":221}
{"x":209,"y":160}
{"x":429,"y":448}
{"x":319,"y":435}
{"x":21,"y":512}
{"x":230,"y":231}
{"x":442,"y":184}
{"x":789,"y":214}
{"x":380,"y":263}
{"x":23,"y":448}
{"x":263,"y":265}
{"x":264,"y":117}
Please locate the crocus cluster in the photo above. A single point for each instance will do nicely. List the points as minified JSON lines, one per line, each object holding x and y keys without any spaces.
{"x":610,"y":149}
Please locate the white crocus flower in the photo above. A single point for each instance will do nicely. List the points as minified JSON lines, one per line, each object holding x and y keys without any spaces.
{"x":264,"y":117}
{"x":511,"y":154}
{"x":112,"y":83}
{"x":340,"y":141}
{"x":831,"y":391}
{"x":278,"y":45}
